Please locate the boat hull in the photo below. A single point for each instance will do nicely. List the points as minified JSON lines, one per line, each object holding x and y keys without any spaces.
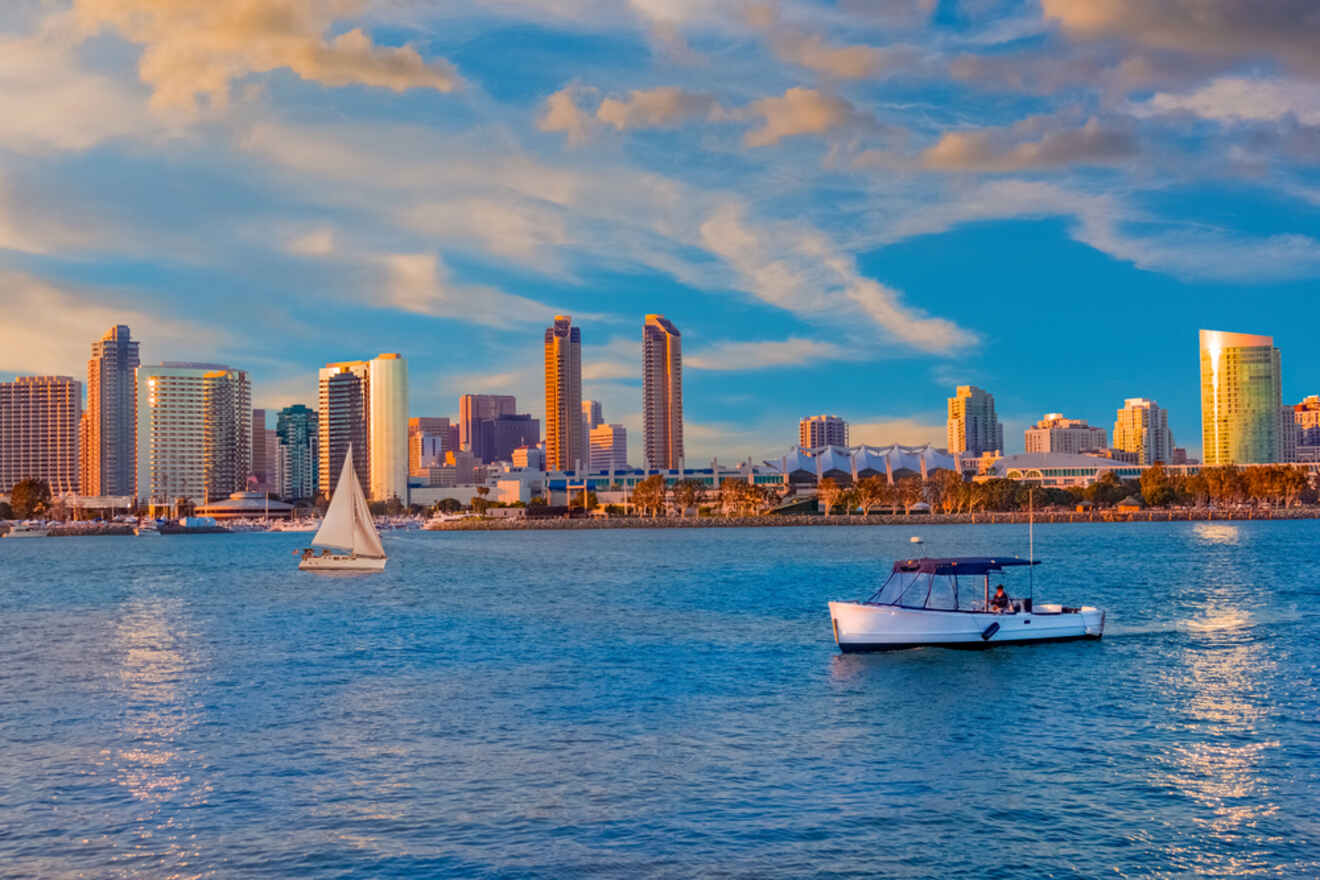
{"x":859,"y":627}
{"x":342,"y":563}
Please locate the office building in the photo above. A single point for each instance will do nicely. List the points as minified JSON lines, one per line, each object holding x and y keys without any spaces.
{"x":108,"y":442}
{"x":40,"y":417}
{"x":1241,"y":398}
{"x":1141,"y":427}
{"x":1306,"y":425}
{"x":817,"y":431}
{"x":592,"y":413}
{"x":565,"y":447}
{"x":265,"y":452}
{"x":529,"y":457}
{"x":365,"y":404}
{"x":1054,"y":433}
{"x":609,"y":448}
{"x":297,"y":464}
{"x":441,"y":428}
{"x":194,"y":432}
{"x":344,"y":407}
{"x":473,"y":408}
{"x":662,"y":393}
{"x":495,"y":439}
{"x":973,"y":428}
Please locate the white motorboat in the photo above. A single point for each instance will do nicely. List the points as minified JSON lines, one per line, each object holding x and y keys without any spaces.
{"x":28,"y":529}
{"x":148,"y":528}
{"x":347,"y":536}
{"x":296,"y":525}
{"x":947,"y":602}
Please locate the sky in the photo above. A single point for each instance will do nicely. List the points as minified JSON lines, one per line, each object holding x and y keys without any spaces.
{"x":846,"y":207}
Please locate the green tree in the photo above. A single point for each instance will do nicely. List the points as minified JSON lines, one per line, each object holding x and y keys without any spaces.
{"x":910,"y":490}
{"x":449,"y":505}
{"x":1106,"y":491}
{"x":480,"y":503}
{"x":829,"y":493}
{"x":649,"y":495}
{"x":6,"y":512}
{"x":872,"y":491}
{"x":29,"y":498}
{"x":688,"y":494}
{"x":394,"y":506}
{"x":1157,"y":487}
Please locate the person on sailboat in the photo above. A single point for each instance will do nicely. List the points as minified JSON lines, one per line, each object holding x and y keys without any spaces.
{"x":1000,"y":602}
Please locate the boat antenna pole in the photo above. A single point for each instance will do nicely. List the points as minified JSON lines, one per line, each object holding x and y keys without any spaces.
{"x":1031,"y":544}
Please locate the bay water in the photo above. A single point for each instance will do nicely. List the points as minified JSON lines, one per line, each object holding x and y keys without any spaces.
{"x":662,"y":703}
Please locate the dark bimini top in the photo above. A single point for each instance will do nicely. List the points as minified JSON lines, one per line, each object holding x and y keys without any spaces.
{"x":960,"y":564}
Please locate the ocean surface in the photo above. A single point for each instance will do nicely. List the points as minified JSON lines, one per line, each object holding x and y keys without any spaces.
{"x":653,"y":704}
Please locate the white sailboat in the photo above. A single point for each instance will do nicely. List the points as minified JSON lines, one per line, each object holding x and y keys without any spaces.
{"x":348,"y":529}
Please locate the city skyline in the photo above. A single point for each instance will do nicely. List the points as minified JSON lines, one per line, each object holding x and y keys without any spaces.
{"x":845,"y":209}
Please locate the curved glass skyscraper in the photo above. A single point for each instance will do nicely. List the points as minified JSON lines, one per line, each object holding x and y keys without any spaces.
{"x":1241,"y":398}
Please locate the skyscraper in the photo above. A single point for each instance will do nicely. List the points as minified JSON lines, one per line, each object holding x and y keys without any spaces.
{"x":194,"y":432}
{"x":388,"y":439}
{"x":297,"y":465}
{"x":108,"y":466}
{"x":609,"y":448}
{"x":226,"y":431}
{"x":265,"y":452}
{"x":344,"y":408}
{"x":592,"y":417}
{"x":432,"y":437}
{"x":39,"y":421}
{"x":565,"y":446}
{"x":817,"y":431}
{"x":1241,"y":398}
{"x":365,"y":404}
{"x":472,"y":408}
{"x":1142,"y":428}
{"x":973,"y":428}
{"x":495,"y":439}
{"x":662,"y":392}
{"x":1054,"y":433}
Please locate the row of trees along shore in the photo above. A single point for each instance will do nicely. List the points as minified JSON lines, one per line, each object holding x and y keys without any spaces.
{"x":948,"y":493}
{"x":945,"y":491}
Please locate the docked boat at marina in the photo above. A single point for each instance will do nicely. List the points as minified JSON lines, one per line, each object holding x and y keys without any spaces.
{"x":348,"y":535}
{"x":28,"y":529}
{"x":148,"y":528}
{"x":947,"y":601}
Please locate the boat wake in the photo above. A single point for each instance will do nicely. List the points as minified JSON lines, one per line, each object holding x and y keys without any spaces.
{"x":1224,"y":622}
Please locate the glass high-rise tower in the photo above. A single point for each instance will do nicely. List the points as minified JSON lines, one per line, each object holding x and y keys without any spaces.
{"x":1241,"y":398}
{"x":662,"y":392}
{"x":565,"y":447}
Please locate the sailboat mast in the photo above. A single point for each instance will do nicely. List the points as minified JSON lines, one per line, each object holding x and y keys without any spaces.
{"x":1031,"y":544}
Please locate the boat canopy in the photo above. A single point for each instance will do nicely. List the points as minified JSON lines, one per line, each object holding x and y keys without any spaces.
{"x":934,"y":583}
{"x":960,"y":564}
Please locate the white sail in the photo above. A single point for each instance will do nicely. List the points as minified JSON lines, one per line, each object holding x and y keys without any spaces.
{"x":347,"y":524}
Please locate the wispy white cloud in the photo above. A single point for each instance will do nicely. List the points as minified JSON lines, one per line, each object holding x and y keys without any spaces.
{"x":197,"y":48}
{"x":731,"y":356}
{"x":1241,"y":99}
{"x":48,"y":327}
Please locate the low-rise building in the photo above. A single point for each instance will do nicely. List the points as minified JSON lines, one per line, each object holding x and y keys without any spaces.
{"x":1054,"y":433}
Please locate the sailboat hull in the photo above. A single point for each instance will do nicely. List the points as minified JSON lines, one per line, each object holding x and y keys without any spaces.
{"x":336,"y":562}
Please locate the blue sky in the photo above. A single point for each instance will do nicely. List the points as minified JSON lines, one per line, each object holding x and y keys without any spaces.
{"x":846,"y":207}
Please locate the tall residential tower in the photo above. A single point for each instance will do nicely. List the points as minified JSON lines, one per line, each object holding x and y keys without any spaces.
{"x":109,"y":443}
{"x":1241,"y":398}
{"x":194,"y":432}
{"x":1141,"y":427}
{"x":39,"y":421}
{"x":662,"y":392}
{"x":365,"y":404}
{"x":565,"y":447}
{"x":973,"y":428}
{"x":817,"y":431}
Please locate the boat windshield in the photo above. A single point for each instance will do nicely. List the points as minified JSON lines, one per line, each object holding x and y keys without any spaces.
{"x":937,"y":592}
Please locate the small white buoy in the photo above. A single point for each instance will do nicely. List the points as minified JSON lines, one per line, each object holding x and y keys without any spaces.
{"x":915,"y":539}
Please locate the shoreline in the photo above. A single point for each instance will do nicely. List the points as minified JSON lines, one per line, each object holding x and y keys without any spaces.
{"x":939,"y":519}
